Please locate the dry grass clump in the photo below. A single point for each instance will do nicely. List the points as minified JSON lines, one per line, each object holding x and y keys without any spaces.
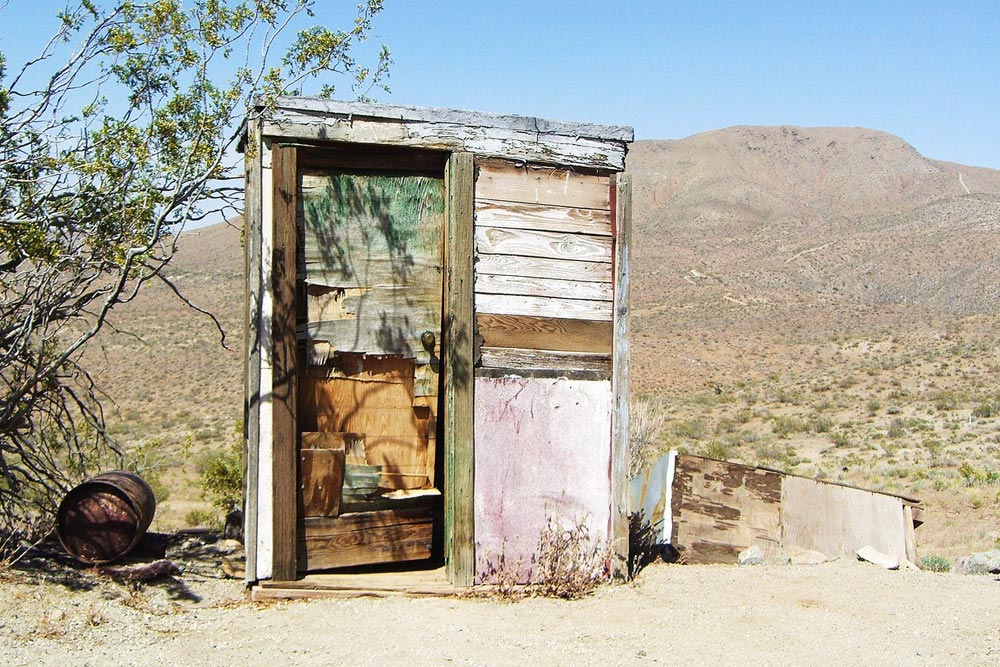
{"x":647,"y":423}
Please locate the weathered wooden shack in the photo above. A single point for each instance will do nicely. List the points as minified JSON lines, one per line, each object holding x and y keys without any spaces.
{"x":437,"y":353}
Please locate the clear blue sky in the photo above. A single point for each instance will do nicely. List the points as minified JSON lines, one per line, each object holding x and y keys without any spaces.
{"x":926,"y":71}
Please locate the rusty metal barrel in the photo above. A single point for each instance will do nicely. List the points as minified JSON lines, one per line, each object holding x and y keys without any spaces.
{"x":104,"y":518}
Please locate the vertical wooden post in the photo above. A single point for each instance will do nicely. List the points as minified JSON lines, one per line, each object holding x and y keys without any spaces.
{"x":285,"y":373}
{"x":251,"y":344}
{"x":622,"y":199}
{"x":458,"y":380}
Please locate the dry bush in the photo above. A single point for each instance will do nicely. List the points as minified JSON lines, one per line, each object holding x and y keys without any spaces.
{"x":647,"y":423}
{"x":568,"y":563}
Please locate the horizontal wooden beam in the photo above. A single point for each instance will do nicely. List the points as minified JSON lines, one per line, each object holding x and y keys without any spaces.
{"x":514,"y":359}
{"x":544,"y":333}
{"x":353,"y":110}
{"x":515,"y":144}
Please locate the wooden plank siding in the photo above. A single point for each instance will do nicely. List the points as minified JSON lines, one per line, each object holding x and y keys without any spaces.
{"x":544,"y":250}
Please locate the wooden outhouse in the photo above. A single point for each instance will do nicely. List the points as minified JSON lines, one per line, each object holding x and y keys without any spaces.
{"x":436,"y":337}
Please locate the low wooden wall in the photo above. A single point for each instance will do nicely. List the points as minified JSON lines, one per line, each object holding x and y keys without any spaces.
{"x":718,"y":509}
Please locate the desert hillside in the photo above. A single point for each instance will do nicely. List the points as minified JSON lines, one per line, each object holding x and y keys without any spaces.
{"x":816,"y":299}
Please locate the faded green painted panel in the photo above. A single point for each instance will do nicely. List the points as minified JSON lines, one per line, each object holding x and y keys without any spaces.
{"x":372,"y":254}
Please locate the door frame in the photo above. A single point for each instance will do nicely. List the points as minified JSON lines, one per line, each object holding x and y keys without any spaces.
{"x":457,"y":350}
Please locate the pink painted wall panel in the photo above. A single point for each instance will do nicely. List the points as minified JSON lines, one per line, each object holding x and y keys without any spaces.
{"x":542,"y":449}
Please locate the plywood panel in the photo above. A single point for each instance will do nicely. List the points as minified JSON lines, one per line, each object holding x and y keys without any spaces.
{"x":321,"y":478}
{"x":541,"y":185}
{"x":511,"y":215}
{"x":544,"y":333}
{"x":372,"y":419}
{"x":546,"y":287}
{"x":365,"y":537}
{"x":538,"y":267}
{"x":551,"y":245}
{"x":542,"y":451}
{"x":317,"y":440}
{"x":328,"y":395}
{"x":838,"y":520}
{"x":539,"y":306}
{"x":721,"y":508}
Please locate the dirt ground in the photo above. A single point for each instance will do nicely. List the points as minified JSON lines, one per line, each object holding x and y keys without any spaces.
{"x":837,"y":613}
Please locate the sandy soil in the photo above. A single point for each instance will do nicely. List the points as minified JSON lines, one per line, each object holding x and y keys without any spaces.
{"x":837,"y":613}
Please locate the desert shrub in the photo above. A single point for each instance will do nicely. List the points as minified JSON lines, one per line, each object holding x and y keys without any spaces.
{"x":971,"y":475}
{"x":221,"y":474}
{"x":717,"y":449}
{"x":199,"y":518}
{"x":987,"y":408}
{"x":847,"y":382}
{"x":945,"y":401}
{"x":841,"y":439}
{"x":935,"y":563}
{"x":783,"y":426}
{"x":820,"y":424}
{"x":897,"y":429}
{"x":691,"y":429}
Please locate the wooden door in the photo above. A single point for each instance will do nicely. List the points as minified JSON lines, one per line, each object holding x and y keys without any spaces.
{"x":370,"y":276}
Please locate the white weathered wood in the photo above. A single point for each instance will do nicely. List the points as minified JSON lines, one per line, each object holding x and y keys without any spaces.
{"x":521,"y":359}
{"x":495,"y":142}
{"x":540,"y":267}
{"x":553,"y":245}
{"x":545,"y":218}
{"x":565,"y":289}
{"x":550,"y":186}
{"x":455,"y":116}
{"x":252,"y":389}
{"x":540,"y":306}
{"x":265,"y":476}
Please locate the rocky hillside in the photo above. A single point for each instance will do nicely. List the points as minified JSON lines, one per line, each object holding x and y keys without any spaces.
{"x":815,"y":230}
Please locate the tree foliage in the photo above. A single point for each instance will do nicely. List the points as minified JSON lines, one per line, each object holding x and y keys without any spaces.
{"x":115,"y":135}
